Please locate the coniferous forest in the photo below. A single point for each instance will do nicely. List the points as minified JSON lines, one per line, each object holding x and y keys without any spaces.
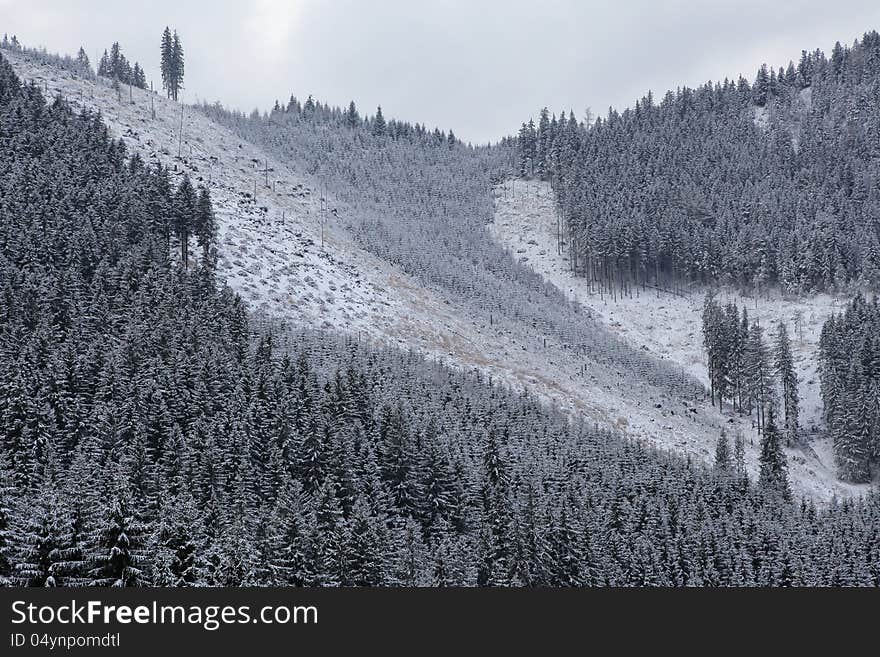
{"x":116,"y":66}
{"x":848,"y":352}
{"x":155,"y":434}
{"x":747,"y":372}
{"x":756,"y":184}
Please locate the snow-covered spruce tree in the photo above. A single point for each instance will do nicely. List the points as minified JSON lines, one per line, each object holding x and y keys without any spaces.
{"x":787,"y":377}
{"x":138,"y":77}
{"x":82,"y":59}
{"x":166,"y":61}
{"x":185,"y":202}
{"x":177,"y":65}
{"x":773,"y":478}
{"x":378,"y":124}
{"x":723,"y":460}
{"x":329,"y":539}
{"x":115,"y":554}
{"x":394,"y":214}
{"x":171,"y":63}
{"x":116,"y":66}
{"x":543,"y":145}
{"x":739,"y":461}
{"x":759,"y":373}
{"x":761,"y":87}
{"x":7,"y":536}
{"x":293,"y":529}
{"x":366,"y":548}
{"x":104,"y":65}
{"x":174,"y":551}
{"x":528,"y":149}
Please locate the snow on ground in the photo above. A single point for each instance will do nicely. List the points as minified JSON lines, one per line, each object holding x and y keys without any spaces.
{"x":271,"y":252}
{"x":669,"y":327}
{"x":269,"y":242}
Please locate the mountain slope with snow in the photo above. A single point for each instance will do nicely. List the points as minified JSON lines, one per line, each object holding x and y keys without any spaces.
{"x":668,"y":326}
{"x":269,"y":236}
{"x":283,"y":248}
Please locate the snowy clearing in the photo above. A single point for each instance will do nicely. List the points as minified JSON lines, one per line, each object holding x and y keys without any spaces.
{"x":268,"y":242}
{"x":669,"y":327}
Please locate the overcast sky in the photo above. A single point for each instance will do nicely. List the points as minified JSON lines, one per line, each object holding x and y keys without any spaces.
{"x":479,"y":67}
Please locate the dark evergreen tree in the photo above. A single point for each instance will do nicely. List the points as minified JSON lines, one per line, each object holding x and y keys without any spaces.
{"x":379,"y":124}
{"x":352,"y":117}
{"x":177,"y":65}
{"x":138,"y":77}
{"x":176,"y":554}
{"x":185,"y":205}
{"x":82,"y":60}
{"x":723,"y":461}
{"x":104,"y":68}
{"x":204,"y":225}
{"x":114,"y":556}
{"x":672,"y":221}
{"x":172,"y":63}
{"x":7,"y":538}
{"x":849,"y":369}
{"x":774,"y":467}
{"x":784,"y":363}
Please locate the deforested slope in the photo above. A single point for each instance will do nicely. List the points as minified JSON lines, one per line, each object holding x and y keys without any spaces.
{"x":153,"y":434}
{"x":285,"y":243}
{"x":421,"y":200}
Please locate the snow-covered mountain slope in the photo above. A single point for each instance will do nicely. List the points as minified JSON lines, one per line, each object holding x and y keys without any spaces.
{"x":271,"y":252}
{"x":669,"y":327}
{"x":269,"y":242}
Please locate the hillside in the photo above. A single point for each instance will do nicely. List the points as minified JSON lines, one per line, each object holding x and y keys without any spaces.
{"x":756,"y":184}
{"x":411,"y":283}
{"x":532,"y":340}
{"x":155,"y":434}
{"x":761,"y":191}
{"x":668,"y":326}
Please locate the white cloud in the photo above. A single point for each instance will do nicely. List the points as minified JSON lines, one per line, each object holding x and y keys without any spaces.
{"x":271,"y":24}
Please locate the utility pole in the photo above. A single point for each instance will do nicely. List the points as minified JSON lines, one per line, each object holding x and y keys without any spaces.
{"x":267,"y":173}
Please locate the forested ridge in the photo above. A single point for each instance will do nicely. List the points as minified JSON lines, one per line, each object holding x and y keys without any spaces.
{"x":769,"y":182}
{"x":153,"y":434}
